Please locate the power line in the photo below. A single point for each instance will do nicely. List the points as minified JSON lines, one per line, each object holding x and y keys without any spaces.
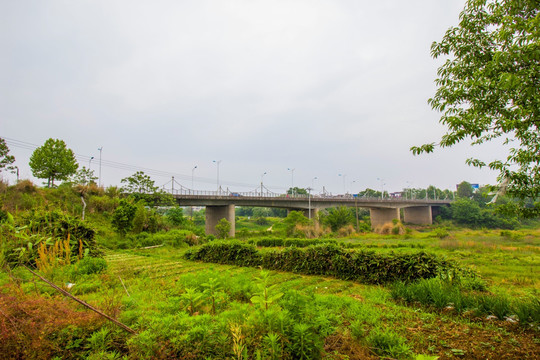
{"x":135,"y":168}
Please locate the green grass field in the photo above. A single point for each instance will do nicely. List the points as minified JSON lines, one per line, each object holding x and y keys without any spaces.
{"x":192,"y":310}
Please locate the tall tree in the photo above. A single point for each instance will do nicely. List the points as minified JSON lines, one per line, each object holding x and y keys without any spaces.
{"x":488,"y":88}
{"x":139,"y":183}
{"x":6,"y":160}
{"x":464,"y":190}
{"x":53,"y":161}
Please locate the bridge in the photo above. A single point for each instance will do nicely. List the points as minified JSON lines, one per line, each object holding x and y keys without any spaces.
{"x":221,"y":204}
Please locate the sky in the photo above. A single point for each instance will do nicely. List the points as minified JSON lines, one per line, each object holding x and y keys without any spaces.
{"x":336,"y":90}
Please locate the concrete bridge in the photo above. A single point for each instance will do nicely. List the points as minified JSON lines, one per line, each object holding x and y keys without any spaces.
{"x":220,"y":205}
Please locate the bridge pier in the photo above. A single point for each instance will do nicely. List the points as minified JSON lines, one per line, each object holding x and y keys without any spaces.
{"x":419,"y":215}
{"x":314,"y":213}
{"x":216,"y":213}
{"x":381,"y":216}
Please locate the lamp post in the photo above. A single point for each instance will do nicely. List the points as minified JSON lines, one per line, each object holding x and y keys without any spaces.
{"x":292,"y":180}
{"x":192,"y":174}
{"x":382,"y":187}
{"x":100,"y":150}
{"x":262,"y":176}
{"x":309,"y":195}
{"x":90,"y":162}
{"x":217,"y":163}
{"x":409,"y":186}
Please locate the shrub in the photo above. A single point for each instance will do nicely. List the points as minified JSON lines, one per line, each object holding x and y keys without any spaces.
{"x":327,"y":259}
{"x":388,"y":343}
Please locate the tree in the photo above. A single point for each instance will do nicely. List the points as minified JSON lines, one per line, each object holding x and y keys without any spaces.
{"x":6,"y":160}
{"x":338,"y":218}
{"x":297,"y":191}
{"x":222,"y":228}
{"x":294,"y":218}
{"x":84,"y":177}
{"x":464,"y":190}
{"x":488,"y":88}
{"x":176,"y":216}
{"x":53,"y":161}
{"x":139,"y":183}
{"x":141,"y":187}
{"x":122,"y":218}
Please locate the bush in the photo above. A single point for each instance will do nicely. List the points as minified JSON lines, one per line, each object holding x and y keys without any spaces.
{"x":89,"y":265}
{"x":327,"y":259}
{"x":388,"y":343}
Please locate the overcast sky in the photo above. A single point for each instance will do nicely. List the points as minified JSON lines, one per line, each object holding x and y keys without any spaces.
{"x":322,"y":87}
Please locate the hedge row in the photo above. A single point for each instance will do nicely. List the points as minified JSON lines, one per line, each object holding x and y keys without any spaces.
{"x":279,"y":242}
{"x":327,"y":259}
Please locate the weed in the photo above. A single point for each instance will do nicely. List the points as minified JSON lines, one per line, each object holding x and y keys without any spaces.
{"x":388,"y":343}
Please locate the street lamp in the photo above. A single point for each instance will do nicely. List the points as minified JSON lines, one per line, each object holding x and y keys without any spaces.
{"x":292,"y":180}
{"x":90,"y":162}
{"x":382,"y":187}
{"x":217,"y":163}
{"x":100,"y":150}
{"x":192,"y":173}
{"x":409,"y":187}
{"x":262,"y":176}
{"x":309,"y":195}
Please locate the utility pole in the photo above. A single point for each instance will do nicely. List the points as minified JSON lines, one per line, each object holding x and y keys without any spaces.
{"x":292,"y":180}
{"x":262,"y":176}
{"x":309,"y":202}
{"x":172,"y":185}
{"x":100,"y":150}
{"x":217,"y":163}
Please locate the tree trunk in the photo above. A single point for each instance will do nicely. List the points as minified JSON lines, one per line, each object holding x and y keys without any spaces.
{"x":84,"y":206}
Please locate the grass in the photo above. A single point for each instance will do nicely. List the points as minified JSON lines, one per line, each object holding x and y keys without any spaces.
{"x":181,"y":307}
{"x":510,"y":263}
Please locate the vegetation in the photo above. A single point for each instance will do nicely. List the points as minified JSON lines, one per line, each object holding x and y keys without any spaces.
{"x":487,"y":89}
{"x":292,"y":289}
{"x":6,"y":160}
{"x":53,"y":161}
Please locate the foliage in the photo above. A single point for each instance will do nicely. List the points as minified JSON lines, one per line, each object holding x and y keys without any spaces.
{"x":122,"y":217}
{"x":442,"y":293}
{"x":90,"y":265}
{"x":275,"y":242}
{"x":327,"y":259}
{"x":467,"y":212}
{"x":6,"y":160}
{"x":49,"y":327}
{"x":223,"y":228}
{"x":297,"y":191}
{"x":338,"y":218}
{"x":141,"y":187}
{"x":53,"y":161}
{"x":176,"y":215}
{"x":46,"y":235}
{"x":84,"y":176}
{"x":294,"y":218}
{"x":464,"y":190}
{"x":488,"y":87}
{"x":266,"y":295}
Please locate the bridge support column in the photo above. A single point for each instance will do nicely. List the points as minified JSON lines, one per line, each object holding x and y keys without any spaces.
{"x":381,"y":216}
{"x":419,"y":215}
{"x":314,"y":213}
{"x":216,"y":213}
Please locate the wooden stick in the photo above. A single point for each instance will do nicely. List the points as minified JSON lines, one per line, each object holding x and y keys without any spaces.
{"x":123,"y":285}
{"x":125,"y":327}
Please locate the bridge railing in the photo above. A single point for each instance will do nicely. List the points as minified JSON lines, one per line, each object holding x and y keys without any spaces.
{"x":314,"y":197}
